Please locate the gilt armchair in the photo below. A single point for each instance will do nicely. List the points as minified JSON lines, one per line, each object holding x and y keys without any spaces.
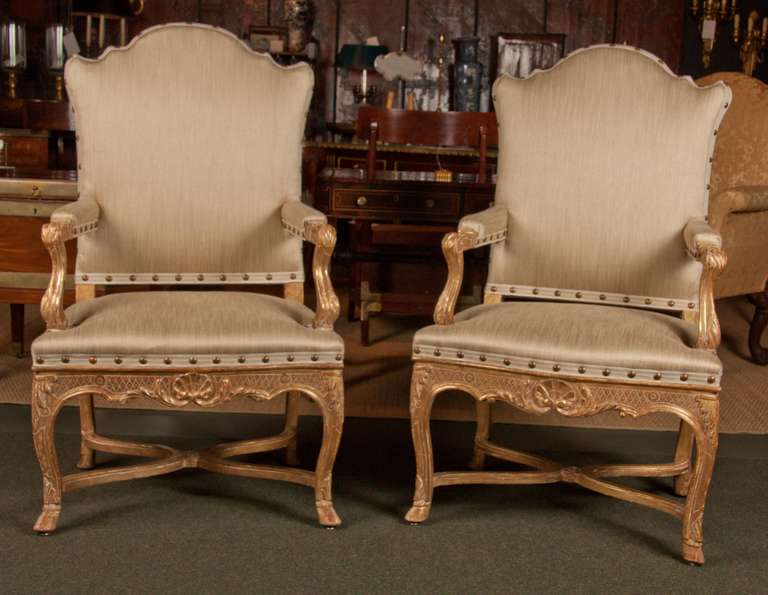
{"x":189,"y":150}
{"x":599,"y":241}
{"x":739,"y":205}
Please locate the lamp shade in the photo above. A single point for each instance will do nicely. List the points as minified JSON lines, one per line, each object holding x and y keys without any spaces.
{"x":359,"y":56}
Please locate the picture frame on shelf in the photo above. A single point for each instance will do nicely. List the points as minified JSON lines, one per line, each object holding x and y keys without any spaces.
{"x":519,"y":54}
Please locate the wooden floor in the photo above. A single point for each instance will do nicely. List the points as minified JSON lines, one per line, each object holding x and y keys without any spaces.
{"x":377,"y":377}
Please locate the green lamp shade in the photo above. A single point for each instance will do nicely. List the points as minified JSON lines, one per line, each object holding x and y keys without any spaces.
{"x":358,"y":56}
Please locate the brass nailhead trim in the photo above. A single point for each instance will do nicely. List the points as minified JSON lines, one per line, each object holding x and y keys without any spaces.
{"x":648,"y":301}
{"x":92,"y":360}
{"x":167,"y":361}
{"x":65,"y":359}
{"x":531,"y":365}
{"x":118,"y":360}
{"x":556,"y":368}
{"x":711,"y":379}
{"x":684,"y":377}
{"x":603,"y":296}
{"x":222,"y":277}
{"x":460,"y":355}
{"x":535,"y":291}
{"x":578,"y":294}
{"x":314,"y":358}
{"x":606,"y":372}
{"x":178,"y":277}
{"x":691,"y":305}
{"x":142,"y":360}
{"x":84,"y":277}
{"x":483,"y":358}
{"x":155,"y":277}
{"x":132,"y":277}
{"x":631,"y":374}
{"x":657,"y":376}
{"x":582,"y":369}
{"x":290,"y":357}
{"x":108,"y":278}
{"x":625,"y":299}
{"x":493,"y":288}
{"x":507,"y":362}
{"x":192,"y":360}
{"x":293,"y":275}
{"x":671,"y":303}
{"x":265,"y":359}
{"x":40,"y":360}
{"x":241,"y":359}
{"x":269,"y":277}
{"x":217,"y":360}
{"x":200,"y":277}
{"x":558,"y":293}
{"x":417,"y":349}
{"x":339,"y":357}
{"x":246,"y":277}
{"x":512,"y":290}
{"x":437,"y":352}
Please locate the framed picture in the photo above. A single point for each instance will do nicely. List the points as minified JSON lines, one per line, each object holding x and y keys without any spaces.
{"x":267,"y":39}
{"x":519,"y":55}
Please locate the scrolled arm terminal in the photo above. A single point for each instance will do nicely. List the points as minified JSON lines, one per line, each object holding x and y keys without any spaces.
{"x":479,"y":229}
{"x":705,"y":245}
{"x":67,"y":222}
{"x":311,"y":225}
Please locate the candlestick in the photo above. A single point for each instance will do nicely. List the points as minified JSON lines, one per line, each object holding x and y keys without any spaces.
{"x":102,"y":30}
{"x":736,"y":20}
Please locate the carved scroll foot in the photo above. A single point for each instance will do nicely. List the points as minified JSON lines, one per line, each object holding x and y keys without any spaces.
{"x":87,"y":428}
{"x":48,"y":520}
{"x":332,"y":405}
{"x":326,"y":515}
{"x":482,"y":433}
{"x":706,"y":433}
{"x":683,"y":453}
{"x":44,"y":411}
{"x":422,"y":397}
{"x":292,"y":401}
{"x":757,"y":329}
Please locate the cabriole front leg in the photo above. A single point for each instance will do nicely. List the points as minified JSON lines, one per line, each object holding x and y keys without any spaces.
{"x":422,"y":397}
{"x":45,"y":408}
{"x":332,"y":406}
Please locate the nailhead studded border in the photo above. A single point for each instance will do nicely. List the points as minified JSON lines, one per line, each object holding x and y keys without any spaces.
{"x":195,"y":360}
{"x":506,"y":362}
{"x":594,"y":297}
{"x":84,"y":228}
{"x":188,"y":278}
{"x":491,"y":238}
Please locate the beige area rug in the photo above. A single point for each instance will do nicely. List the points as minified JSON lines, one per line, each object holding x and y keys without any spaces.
{"x":377,"y":378}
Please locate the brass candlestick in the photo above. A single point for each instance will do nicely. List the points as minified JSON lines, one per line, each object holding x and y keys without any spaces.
{"x":753,"y":43}
{"x":710,"y":13}
{"x":10,"y":84}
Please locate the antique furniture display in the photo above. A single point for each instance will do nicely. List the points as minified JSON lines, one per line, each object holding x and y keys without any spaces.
{"x":739,"y":205}
{"x":599,"y":236}
{"x":157,"y":223}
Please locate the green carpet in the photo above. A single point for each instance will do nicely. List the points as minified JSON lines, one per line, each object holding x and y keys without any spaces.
{"x":195,"y":532}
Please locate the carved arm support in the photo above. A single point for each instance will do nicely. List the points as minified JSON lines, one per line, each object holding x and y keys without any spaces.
{"x":478,"y":229}
{"x":311,"y":225}
{"x":705,"y":245}
{"x":67,"y":222}
{"x":742,"y":199}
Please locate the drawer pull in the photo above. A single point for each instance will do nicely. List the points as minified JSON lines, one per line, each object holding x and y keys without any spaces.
{"x":361,"y":201}
{"x":36,"y":191}
{"x":430,"y":203}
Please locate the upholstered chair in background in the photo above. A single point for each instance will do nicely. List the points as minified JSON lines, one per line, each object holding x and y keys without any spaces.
{"x":738,"y":208}
{"x":600,"y":241}
{"x":189,"y":150}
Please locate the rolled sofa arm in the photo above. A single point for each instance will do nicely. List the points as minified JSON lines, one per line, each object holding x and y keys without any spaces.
{"x":479,"y":229}
{"x":67,"y":222}
{"x":311,"y":225}
{"x":740,"y":199}
{"x":489,"y":225}
{"x":705,"y":245}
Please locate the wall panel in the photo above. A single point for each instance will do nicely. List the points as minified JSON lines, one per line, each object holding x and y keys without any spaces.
{"x":653,"y":25}
{"x":585,"y":22}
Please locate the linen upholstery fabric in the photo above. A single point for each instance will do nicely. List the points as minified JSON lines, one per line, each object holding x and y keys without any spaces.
{"x":739,"y":205}
{"x":191,"y":143}
{"x":180,"y":325}
{"x":569,"y":335}
{"x":602,"y":161}
{"x":489,"y":225}
{"x":296,"y":214}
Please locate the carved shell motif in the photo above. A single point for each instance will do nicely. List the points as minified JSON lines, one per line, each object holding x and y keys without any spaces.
{"x":194,"y":387}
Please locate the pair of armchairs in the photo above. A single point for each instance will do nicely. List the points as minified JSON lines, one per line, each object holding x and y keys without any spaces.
{"x":190,"y":149}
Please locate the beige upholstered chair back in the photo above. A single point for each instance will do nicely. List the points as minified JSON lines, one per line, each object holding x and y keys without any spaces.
{"x":603,"y":160}
{"x":190,"y":142}
{"x":741,"y":155}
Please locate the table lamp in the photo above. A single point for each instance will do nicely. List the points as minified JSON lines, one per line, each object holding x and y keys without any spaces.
{"x":359,"y":56}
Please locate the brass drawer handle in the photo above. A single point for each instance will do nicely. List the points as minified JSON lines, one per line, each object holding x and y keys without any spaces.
{"x":361,"y":201}
{"x":430,"y":203}
{"x":36,"y":191}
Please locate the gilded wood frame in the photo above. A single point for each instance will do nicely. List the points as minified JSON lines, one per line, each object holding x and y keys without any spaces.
{"x":178,"y":388}
{"x":539,"y":392}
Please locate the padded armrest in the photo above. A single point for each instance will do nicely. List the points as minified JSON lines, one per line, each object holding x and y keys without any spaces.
{"x":742,"y":199}
{"x":295,"y":215}
{"x":490,"y":225}
{"x":81,"y":216}
{"x":698,"y":235}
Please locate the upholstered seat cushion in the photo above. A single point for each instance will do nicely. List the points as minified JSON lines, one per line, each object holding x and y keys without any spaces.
{"x":573,"y":339}
{"x":187,"y":329}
